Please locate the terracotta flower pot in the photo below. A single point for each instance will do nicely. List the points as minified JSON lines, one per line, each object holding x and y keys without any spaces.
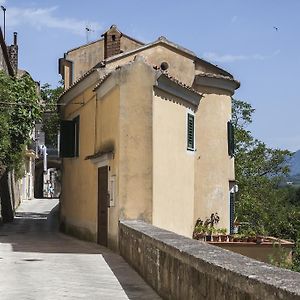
{"x":215,"y":238}
{"x":208,"y":238}
{"x":259,"y":239}
{"x":223,"y":238}
{"x":251,"y":239}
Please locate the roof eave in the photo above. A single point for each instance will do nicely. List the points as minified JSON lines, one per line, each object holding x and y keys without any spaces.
{"x":171,"y":87}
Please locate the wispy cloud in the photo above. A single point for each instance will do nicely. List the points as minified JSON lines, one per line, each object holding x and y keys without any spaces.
{"x":216,"y":57}
{"x":45,"y":18}
{"x":2,"y":2}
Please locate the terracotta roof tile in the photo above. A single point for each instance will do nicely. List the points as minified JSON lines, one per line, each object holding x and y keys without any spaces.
{"x":77,"y":81}
{"x":172,"y":78}
{"x":218,"y":76}
{"x":101,"y":80}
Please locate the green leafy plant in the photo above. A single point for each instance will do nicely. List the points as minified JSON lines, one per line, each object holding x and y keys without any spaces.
{"x":50,"y":116}
{"x":19,"y":110}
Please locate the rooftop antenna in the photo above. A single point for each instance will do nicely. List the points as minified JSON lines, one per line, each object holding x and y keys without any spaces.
{"x":88,"y":30}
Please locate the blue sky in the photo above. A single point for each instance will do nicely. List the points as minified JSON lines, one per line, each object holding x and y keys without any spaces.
{"x":234,"y":34}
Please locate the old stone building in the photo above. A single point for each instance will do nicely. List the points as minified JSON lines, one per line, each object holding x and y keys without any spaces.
{"x":146,"y":135}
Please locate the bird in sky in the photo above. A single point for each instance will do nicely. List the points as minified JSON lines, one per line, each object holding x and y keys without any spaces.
{"x":276,"y":28}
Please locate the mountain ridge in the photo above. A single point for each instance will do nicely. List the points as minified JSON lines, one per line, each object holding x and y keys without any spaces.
{"x":294,"y":164}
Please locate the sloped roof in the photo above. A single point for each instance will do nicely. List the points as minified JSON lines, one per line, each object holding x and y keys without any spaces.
{"x":86,"y":74}
{"x":159,"y":73}
{"x":218,"y":76}
{"x":164,"y":41}
{"x":160,"y":41}
{"x":101,"y":39}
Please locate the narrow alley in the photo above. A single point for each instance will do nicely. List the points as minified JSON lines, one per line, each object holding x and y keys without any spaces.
{"x":38,"y":262}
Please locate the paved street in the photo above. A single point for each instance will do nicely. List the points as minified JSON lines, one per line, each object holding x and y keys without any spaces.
{"x":38,"y":262}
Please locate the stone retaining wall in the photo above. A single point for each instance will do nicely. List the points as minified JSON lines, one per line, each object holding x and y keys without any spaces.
{"x":181,"y":268}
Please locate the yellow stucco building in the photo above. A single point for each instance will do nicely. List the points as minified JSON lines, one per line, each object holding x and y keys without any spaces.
{"x":144,"y":136}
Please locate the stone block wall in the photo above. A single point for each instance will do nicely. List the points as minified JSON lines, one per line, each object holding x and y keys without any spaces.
{"x":181,"y":268}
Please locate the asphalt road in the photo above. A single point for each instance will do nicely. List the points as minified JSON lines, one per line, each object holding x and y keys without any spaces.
{"x":38,"y":262}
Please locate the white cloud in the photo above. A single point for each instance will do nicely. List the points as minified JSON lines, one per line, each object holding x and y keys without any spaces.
{"x":212,"y":56}
{"x":2,"y":2}
{"x":45,"y":18}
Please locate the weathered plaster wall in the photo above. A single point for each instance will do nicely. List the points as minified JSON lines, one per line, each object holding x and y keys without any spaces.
{"x":85,"y":57}
{"x":182,"y":268}
{"x":173,"y":166}
{"x":107,"y":139}
{"x":213,"y":167}
{"x":181,"y":67}
{"x":135,"y":167}
{"x":79,"y":182}
{"x":128,"y":44}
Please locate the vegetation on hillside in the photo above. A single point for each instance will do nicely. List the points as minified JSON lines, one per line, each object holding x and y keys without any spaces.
{"x":269,"y":209}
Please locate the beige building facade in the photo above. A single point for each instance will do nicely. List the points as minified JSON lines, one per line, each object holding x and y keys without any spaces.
{"x":144,"y":136}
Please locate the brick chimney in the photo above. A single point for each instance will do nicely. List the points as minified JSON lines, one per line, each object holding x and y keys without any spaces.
{"x":112,"y":39}
{"x":13,"y":53}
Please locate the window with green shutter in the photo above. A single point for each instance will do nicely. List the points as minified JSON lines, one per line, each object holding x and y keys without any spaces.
{"x":76,"y":146}
{"x":69,"y":138}
{"x":190,"y":132}
{"x":230,"y":137}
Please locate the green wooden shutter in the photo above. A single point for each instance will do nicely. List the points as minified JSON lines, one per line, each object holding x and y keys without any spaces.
{"x":230,"y":136}
{"x":76,"y":147}
{"x":67,"y":139}
{"x":190,"y":132}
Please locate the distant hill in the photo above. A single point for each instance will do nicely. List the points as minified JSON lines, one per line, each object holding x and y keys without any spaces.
{"x":294,"y":177}
{"x":295,"y":164}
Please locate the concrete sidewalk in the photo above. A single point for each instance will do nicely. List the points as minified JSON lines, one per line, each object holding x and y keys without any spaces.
{"x":38,"y":262}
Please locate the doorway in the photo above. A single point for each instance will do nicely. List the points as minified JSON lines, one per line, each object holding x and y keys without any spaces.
{"x":102,"y":205}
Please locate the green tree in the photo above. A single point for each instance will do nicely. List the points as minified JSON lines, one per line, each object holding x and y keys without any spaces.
{"x":51,"y":117}
{"x":20,"y":109}
{"x":258,"y":171}
{"x":268,"y":208}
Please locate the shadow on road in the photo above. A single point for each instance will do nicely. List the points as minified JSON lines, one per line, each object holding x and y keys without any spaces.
{"x":37,"y":231}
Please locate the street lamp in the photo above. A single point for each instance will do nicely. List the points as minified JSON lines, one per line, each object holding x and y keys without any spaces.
{"x":4,"y":11}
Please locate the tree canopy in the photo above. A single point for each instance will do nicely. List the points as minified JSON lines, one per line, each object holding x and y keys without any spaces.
{"x":20,"y":109}
{"x":51,"y":117}
{"x":261,"y":202}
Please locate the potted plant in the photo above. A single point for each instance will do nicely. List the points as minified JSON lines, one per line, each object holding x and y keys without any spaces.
{"x":259,"y":239}
{"x":215,"y":235}
{"x":243,"y":238}
{"x":251,"y":236}
{"x":223,"y":234}
{"x":230,"y":238}
{"x":236,"y":237}
{"x":199,"y":232}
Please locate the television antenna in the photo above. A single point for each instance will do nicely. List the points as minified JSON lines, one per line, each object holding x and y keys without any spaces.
{"x":88,"y":30}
